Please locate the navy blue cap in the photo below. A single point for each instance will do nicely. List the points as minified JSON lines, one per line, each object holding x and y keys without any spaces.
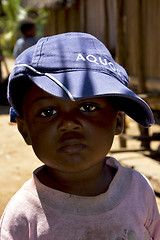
{"x":75,"y":66}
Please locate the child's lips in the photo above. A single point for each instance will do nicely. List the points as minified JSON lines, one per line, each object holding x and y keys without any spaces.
{"x":71,"y":143}
{"x":72,"y":147}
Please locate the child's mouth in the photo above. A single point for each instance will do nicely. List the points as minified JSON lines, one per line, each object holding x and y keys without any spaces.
{"x":71,"y":146}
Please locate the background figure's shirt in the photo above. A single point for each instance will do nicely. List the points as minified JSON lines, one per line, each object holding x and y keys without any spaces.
{"x":126,"y":211}
{"x":22,"y":44}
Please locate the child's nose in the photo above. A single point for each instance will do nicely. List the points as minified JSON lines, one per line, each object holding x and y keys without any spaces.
{"x":69,"y":125}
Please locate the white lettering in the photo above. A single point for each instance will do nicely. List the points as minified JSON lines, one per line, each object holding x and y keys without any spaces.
{"x":119,"y":73}
{"x":99,"y":60}
{"x":112,"y":66}
{"x":92,"y":58}
{"x":104,"y":61}
{"x":80,"y":57}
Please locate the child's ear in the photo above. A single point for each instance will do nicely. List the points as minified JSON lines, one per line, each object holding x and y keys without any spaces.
{"x":23,"y":130}
{"x":120,"y":123}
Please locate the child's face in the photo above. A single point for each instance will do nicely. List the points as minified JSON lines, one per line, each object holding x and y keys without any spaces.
{"x":68,"y":136}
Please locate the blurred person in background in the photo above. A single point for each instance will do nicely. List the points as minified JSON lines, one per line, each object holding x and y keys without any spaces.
{"x":28,"y":30}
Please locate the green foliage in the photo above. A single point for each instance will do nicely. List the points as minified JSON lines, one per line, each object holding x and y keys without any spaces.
{"x":13,"y":13}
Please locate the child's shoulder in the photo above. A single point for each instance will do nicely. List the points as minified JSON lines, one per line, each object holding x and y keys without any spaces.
{"x":137,"y":179}
{"x":141,"y":178}
{"x":21,"y":200}
{"x":141,"y":185}
{"x":21,"y":209}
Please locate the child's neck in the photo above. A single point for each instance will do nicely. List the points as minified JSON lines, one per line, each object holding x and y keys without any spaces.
{"x":89,"y":183}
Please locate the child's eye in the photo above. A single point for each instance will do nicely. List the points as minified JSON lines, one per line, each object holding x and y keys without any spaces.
{"x":88,"y":107}
{"x":47,"y":113}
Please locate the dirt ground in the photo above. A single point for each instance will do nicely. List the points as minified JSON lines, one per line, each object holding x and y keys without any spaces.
{"x":18,"y":161}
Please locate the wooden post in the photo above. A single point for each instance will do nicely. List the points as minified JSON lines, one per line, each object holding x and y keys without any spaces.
{"x":141,"y":49}
{"x":106,"y":23}
{"x":141,"y":67}
{"x":121,"y":49}
{"x":85,"y":15}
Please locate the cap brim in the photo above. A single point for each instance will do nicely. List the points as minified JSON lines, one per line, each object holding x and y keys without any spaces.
{"x":83,"y":84}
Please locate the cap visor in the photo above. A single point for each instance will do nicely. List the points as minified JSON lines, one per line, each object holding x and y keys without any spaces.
{"x":88,"y":84}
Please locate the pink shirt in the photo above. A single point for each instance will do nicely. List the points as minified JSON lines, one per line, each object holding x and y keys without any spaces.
{"x":126,"y":211}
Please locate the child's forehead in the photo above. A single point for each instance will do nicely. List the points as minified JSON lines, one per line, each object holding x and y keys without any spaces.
{"x":38,"y":94}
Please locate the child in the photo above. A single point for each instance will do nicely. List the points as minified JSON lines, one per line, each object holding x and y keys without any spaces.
{"x":69,"y":95}
{"x":28,"y":39}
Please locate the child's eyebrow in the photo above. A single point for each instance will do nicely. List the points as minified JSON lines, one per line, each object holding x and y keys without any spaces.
{"x":41,"y":98}
{"x":87,"y":100}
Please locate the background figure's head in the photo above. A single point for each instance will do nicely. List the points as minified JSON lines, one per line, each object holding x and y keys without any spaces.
{"x":28,"y":28}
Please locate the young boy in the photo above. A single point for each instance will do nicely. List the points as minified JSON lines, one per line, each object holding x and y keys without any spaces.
{"x":69,"y":95}
{"x":28,"y":39}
